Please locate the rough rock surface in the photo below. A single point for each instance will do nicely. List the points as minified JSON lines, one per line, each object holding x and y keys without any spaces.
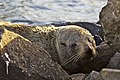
{"x":110,"y":20}
{"x":21,"y":59}
{"x":110,"y":74}
{"x":94,"y":76}
{"x":79,"y":76}
{"x":115,"y":61}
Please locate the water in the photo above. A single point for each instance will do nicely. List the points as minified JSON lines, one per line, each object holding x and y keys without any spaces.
{"x":47,"y":11}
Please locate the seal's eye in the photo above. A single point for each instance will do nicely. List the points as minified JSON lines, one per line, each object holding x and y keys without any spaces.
{"x":63,"y":44}
{"x":73,"y":45}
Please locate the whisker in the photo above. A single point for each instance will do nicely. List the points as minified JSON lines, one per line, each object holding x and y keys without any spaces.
{"x":79,"y":56}
{"x":68,"y":60}
{"x":76,"y":57}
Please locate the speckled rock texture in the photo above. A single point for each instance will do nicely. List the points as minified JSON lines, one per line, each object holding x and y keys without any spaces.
{"x":110,"y":74}
{"x":115,"y":61}
{"x":94,"y":76}
{"x":110,"y":20}
{"x":79,"y":76}
{"x":21,"y":59}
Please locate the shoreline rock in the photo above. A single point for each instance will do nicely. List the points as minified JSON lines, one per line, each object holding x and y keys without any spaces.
{"x":110,"y":74}
{"x":110,"y":21}
{"x":114,"y":62}
{"x":23,"y":60}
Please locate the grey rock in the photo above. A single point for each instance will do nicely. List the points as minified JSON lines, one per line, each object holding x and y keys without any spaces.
{"x":94,"y":76}
{"x":21,"y":59}
{"x":110,"y":20}
{"x":110,"y":74}
{"x":115,"y":61}
{"x":79,"y":76}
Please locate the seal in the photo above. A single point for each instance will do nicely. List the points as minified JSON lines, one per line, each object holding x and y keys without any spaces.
{"x":70,"y":46}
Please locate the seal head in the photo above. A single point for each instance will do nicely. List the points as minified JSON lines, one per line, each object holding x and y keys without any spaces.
{"x":75,"y":46}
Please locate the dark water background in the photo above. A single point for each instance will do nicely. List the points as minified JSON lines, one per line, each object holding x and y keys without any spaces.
{"x":47,"y":11}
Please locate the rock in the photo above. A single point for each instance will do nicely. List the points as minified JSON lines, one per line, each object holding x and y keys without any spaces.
{"x":115,"y":61}
{"x":79,"y":76}
{"x":21,"y":59}
{"x":94,"y":76}
{"x":110,"y":74}
{"x":110,"y":20}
